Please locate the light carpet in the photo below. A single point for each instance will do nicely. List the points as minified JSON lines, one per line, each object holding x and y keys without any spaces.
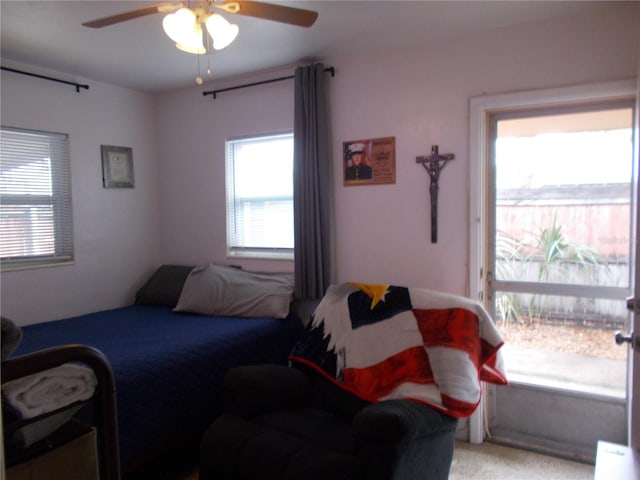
{"x":490,"y":461}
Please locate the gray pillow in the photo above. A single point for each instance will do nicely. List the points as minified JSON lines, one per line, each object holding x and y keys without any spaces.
{"x":164,"y":286}
{"x":228,"y":291}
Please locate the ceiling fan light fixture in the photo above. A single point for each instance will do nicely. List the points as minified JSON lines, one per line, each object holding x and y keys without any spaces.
{"x":221,"y":31}
{"x":177,"y":25}
{"x":182,"y":27}
{"x":192,"y":43}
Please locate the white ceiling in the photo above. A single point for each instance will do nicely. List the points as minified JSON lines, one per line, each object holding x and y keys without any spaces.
{"x":137,"y":54}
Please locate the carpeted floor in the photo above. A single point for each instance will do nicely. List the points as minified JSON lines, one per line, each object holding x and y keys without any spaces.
{"x":490,"y":461}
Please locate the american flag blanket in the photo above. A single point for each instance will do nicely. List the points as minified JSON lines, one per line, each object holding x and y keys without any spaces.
{"x":385,"y":342}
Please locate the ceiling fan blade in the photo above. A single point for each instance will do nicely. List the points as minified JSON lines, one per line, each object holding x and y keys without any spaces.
{"x":123,"y":17}
{"x":270,"y":11}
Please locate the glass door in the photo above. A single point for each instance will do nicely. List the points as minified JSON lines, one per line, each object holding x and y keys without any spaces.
{"x":558,"y":272}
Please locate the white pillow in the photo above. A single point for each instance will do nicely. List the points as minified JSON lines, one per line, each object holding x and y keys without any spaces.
{"x":229,"y":291}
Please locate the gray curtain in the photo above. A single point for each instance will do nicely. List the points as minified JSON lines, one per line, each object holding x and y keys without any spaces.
{"x":312,"y":184}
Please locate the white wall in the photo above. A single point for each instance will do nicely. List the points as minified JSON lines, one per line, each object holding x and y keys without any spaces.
{"x":192,"y":130}
{"x":116,"y":231}
{"x":418,"y":95}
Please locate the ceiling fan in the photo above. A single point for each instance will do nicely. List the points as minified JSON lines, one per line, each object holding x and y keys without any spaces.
{"x":183,"y":24}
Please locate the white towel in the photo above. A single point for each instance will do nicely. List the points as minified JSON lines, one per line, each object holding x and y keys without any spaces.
{"x":50,"y":390}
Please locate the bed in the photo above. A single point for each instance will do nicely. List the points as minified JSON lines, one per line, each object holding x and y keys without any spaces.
{"x":170,"y":350}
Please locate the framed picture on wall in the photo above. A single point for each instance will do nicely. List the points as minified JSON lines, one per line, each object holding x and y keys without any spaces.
{"x":117,"y":167}
{"x":370,"y":161}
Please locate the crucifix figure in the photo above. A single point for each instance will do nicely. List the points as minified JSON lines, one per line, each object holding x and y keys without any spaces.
{"x":434,"y":164}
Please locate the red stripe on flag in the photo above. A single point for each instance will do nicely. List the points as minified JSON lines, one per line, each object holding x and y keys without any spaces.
{"x":376,"y":381}
{"x":451,"y":327}
{"x":458,"y":408}
{"x":489,"y":372}
{"x":488,"y":352}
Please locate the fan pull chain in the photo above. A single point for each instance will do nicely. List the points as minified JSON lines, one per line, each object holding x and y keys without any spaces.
{"x":199,"y":77}
{"x":209,"y":53}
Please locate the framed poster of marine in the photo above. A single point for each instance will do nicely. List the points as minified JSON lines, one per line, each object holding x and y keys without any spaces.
{"x":370,"y":161}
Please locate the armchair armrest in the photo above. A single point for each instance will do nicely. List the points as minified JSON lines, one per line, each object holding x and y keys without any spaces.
{"x":400,"y":439}
{"x":253,"y":389}
{"x":393,"y":421}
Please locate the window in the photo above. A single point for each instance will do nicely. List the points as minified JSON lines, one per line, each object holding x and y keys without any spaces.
{"x":259,"y":173}
{"x":35,"y":198}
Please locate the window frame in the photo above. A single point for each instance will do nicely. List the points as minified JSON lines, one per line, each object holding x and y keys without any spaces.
{"x":59,"y":200}
{"x":257,"y":252}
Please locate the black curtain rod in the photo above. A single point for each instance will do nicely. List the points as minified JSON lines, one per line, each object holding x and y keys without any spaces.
{"x":215,"y":92}
{"x":44,"y":77}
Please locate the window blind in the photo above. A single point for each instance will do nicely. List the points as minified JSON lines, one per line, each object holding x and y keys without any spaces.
{"x":259,"y":175}
{"x":35,"y":198}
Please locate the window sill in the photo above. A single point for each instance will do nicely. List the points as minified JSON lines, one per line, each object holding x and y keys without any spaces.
{"x":261,"y":254}
{"x":29,"y":266}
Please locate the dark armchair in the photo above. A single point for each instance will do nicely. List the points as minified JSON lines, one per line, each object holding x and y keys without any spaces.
{"x":289,"y":423}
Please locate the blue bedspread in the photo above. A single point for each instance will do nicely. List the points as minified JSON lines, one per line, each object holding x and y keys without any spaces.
{"x":168,"y":366}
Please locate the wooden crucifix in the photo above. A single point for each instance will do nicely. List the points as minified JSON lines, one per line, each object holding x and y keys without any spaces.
{"x":434,"y":164}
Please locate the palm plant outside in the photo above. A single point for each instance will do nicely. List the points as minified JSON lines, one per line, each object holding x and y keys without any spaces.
{"x":554,"y":258}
